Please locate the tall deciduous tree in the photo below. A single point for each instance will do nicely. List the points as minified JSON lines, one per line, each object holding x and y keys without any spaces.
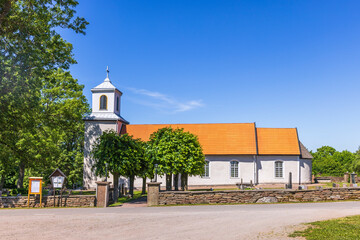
{"x":106,"y":155}
{"x":176,"y":152}
{"x":132,"y":155}
{"x":146,"y":166}
{"x":31,"y":48}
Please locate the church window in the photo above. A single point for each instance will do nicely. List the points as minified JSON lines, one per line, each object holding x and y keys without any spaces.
{"x":234,"y":169}
{"x":117,"y":103}
{"x":206,"y":169}
{"x":279,"y":169}
{"x":103,"y":102}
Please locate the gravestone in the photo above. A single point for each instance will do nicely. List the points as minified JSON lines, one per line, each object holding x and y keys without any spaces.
{"x":353,"y":177}
{"x":289,"y":185}
{"x":346,"y":177}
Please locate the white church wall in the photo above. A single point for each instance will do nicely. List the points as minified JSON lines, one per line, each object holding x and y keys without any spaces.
{"x":266,"y":169}
{"x":219,"y":172}
{"x":93,"y":129}
{"x":306,"y":170}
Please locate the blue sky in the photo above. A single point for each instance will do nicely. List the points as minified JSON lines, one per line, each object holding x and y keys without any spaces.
{"x":276,"y":63}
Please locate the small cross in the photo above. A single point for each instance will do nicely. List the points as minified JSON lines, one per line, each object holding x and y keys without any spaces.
{"x":107,"y":71}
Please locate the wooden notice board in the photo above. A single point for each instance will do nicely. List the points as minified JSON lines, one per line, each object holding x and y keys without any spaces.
{"x":35,"y":187}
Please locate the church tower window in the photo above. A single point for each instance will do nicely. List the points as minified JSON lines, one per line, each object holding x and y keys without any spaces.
{"x":103,"y":102}
{"x":117,"y":103}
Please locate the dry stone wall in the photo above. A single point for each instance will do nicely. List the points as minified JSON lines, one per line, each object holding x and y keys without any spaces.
{"x":257,"y":196}
{"x":48,"y":201}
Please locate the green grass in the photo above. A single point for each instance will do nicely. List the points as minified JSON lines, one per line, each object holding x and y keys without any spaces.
{"x":347,"y":228}
{"x":121,"y":200}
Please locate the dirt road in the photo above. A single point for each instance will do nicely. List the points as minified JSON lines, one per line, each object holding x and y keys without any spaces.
{"x":258,"y":221}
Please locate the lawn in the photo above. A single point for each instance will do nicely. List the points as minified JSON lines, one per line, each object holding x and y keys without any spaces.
{"x":121,"y":200}
{"x":342,"y":228}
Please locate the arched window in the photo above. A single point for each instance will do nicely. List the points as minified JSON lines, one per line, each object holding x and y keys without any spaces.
{"x":117,"y":103}
{"x":103,"y":102}
{"x":279,"y":169}
{"x":206,"y":169}
{"x":234,"y":169}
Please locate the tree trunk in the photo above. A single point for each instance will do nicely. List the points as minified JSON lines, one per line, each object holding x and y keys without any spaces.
{"x":20,"y":182}
{"x":116,"y":186}
{"x":144,"y":186}
{"x":168,"y":182}
{"x":131,"y":187}
{"x":184,"y":181}
{"x":176,"y":182}
{"x":2,"y":180}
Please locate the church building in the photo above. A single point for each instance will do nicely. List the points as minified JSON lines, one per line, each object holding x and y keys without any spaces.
{"x":234,"y":152}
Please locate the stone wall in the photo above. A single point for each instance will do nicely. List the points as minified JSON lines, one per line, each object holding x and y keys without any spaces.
{"x":256,"y":196}
{"x":48,"y":201}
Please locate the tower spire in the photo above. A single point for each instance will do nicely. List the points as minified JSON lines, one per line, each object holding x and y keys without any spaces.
{"x":107,"y":75}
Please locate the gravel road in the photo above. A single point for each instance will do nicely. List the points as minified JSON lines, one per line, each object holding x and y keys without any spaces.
{"x":256,"y":221}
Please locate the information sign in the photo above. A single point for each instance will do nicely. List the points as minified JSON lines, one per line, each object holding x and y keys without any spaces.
{"x":35,"y":186}
{"x":58,"y":181}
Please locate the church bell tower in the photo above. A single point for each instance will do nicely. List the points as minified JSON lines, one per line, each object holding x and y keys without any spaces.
{"x":105,"y":115}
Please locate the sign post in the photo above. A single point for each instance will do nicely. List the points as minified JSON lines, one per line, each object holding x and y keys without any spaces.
{"x":35,"y":187}
{"x":57,"y":181}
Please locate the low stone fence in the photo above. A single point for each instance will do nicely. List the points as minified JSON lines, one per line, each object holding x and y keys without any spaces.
{"x":254,"y":196}
{"x":48,"y":201}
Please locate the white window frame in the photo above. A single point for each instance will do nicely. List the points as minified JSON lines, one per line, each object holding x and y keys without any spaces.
{"x":282,"y":169}
{"x":237,"y":168}
{"x":208,"y":173}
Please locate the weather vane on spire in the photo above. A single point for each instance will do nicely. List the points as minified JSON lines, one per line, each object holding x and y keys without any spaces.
{"x":107,"y":72}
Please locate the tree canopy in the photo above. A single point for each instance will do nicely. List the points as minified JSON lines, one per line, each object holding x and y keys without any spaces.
{"x":176,"y":152}
{"x":41,"y":105}
{"x":121,"y":155}
{"x":330,"y":162}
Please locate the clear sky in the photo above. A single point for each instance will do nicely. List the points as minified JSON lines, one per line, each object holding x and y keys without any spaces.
{"x":276,"y":63}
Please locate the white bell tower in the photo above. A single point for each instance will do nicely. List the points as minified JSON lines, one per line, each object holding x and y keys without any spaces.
{"x":106,"y":100}
{"x":105,"y":115}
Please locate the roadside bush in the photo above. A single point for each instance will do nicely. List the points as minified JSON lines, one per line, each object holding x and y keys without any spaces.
{"x":17,"y":191}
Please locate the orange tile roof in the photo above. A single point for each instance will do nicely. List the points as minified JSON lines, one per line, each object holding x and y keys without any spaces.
{"x":278,"y":141}
{"x":215,"y":139}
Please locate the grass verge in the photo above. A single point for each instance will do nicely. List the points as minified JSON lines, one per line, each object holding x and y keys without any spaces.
{"x":121,"y":200}
{"x":341,"y":228}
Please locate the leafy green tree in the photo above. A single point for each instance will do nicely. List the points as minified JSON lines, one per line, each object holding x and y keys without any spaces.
{"x":121,"y":155}
{"x":356,"y":163}
{"x":176,"y":152}
{"x":63,"y":106}
{"x":146,"y":166}
{"x":31,"y":48}
{"x":106,"y":155}
{"x":328,"y":161}
{"x":346,"y":159}
{"x":132,"y":156}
